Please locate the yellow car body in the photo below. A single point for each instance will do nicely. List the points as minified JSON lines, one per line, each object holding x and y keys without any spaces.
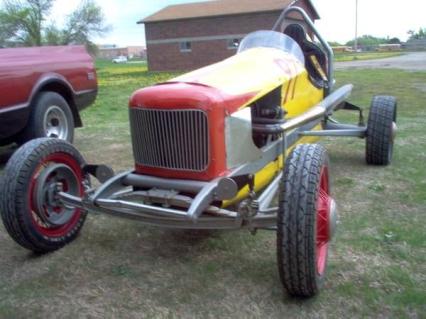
{"x":260,"y":71}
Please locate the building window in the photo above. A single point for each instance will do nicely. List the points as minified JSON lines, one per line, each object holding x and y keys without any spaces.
{"x":233,"y":43}
{"x":185,"y":46}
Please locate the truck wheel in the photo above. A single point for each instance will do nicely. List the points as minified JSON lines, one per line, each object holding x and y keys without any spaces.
{"x":381,"y":130}
{"x":30,"y":209}
{"x":306,"y":221}
{"x":51,"y":117}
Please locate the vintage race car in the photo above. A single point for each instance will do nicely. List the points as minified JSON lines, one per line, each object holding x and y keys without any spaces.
{"x":212,"y":149}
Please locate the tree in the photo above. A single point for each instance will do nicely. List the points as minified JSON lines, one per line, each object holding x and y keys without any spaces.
{"x":394,"y":41}
{"x":334,"y":44}
{"x":21,"y":21}
{"x":7,"y":28}
{"x":24,"y":22}
{"x":368,"y":41}
{"x":421,"y":34}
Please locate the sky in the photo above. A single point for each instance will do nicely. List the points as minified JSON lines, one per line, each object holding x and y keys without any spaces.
{"x":381,"y":18}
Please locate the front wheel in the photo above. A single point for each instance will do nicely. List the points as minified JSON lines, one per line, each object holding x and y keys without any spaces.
{"x":30,"y":207}
{"x":306,"y":221}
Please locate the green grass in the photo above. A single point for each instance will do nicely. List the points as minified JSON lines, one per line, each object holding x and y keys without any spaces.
{"x":345,"y":57}
{"x":120,"y":268}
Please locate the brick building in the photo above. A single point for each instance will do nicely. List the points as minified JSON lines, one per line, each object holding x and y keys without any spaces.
{"x":189,"y":36}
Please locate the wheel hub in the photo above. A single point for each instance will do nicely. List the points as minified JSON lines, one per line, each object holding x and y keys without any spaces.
{"x":326,"y":221}
{"x":55,"y":123}
{"x":332,"y":218}
{"x":55,"y":178}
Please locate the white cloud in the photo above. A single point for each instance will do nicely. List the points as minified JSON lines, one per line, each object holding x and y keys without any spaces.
{"x":376,"y":17}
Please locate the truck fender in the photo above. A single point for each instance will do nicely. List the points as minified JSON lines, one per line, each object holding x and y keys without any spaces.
{"x":57,"y":83}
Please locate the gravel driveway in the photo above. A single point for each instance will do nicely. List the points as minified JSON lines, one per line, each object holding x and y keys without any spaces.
{"x":410,"y":62}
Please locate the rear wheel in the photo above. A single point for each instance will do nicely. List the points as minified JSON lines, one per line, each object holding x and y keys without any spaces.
{"x":306,"y":221}
{"x":381,"y":130}
{"x":31,"y":211}
{"x":51,"y":117}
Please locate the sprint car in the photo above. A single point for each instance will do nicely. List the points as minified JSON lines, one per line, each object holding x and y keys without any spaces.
{"x":228,"y":146}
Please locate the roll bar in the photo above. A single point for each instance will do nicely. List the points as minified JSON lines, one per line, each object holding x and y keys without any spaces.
{"x":326,"y":46}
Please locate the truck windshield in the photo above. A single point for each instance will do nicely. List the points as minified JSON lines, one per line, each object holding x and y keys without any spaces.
{"x":271,"y":39}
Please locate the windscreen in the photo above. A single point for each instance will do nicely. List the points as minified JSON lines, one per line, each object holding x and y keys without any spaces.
{"x":271,"y":39}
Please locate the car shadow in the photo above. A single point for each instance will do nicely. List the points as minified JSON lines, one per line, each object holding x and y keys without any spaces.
{"x":6,"y":153}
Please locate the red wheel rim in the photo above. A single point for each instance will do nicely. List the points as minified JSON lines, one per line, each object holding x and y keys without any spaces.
{"x":323,"y":219}
{"x":43,"y":228}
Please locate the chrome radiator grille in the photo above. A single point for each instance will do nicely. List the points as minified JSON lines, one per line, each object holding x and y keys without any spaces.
{"x":172,"y":139}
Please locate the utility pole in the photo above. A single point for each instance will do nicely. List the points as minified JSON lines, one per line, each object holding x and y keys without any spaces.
{"x":356,"y":25}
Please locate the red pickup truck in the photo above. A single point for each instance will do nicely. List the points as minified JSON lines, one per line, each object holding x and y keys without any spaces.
{"x":42,"y":91}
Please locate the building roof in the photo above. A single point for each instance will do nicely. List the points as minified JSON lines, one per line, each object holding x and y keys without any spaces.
{"x":219,"y":8}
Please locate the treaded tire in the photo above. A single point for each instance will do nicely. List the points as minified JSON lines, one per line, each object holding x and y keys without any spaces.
{"x":42,"y":106}
{"x":379,"y":142}
{"x":301,"y":270}
{"x":17,"y":191}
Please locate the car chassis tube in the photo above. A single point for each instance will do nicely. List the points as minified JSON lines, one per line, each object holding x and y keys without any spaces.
{"x":200,"y":214}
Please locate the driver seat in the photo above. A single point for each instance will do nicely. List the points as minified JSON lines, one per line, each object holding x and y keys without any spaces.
{"x":315,"y":58}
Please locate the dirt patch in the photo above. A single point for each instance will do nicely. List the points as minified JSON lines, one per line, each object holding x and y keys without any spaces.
{"x":420,"y":86}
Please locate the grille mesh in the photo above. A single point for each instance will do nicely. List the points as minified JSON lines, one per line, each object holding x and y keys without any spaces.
{"x":172,"y":139}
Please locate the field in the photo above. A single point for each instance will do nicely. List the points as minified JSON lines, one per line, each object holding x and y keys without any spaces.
{"x":122,"y":269}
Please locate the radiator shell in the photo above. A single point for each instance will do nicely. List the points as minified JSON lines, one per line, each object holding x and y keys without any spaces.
{"x":186,"y":96}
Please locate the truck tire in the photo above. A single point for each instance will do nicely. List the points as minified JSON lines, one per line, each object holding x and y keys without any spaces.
{"x":51,"y":116}
{"x":306,"y":221}
{"x":30,"y":210}
{"x":381,"y":130}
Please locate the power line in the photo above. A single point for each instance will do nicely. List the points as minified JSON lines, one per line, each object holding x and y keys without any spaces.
{"x":356,"y":25}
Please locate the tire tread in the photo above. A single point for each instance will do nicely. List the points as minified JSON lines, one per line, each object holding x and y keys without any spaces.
{"x":379,"y":130}
{"x":14,"y":189}
{"x":296,"y":220}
